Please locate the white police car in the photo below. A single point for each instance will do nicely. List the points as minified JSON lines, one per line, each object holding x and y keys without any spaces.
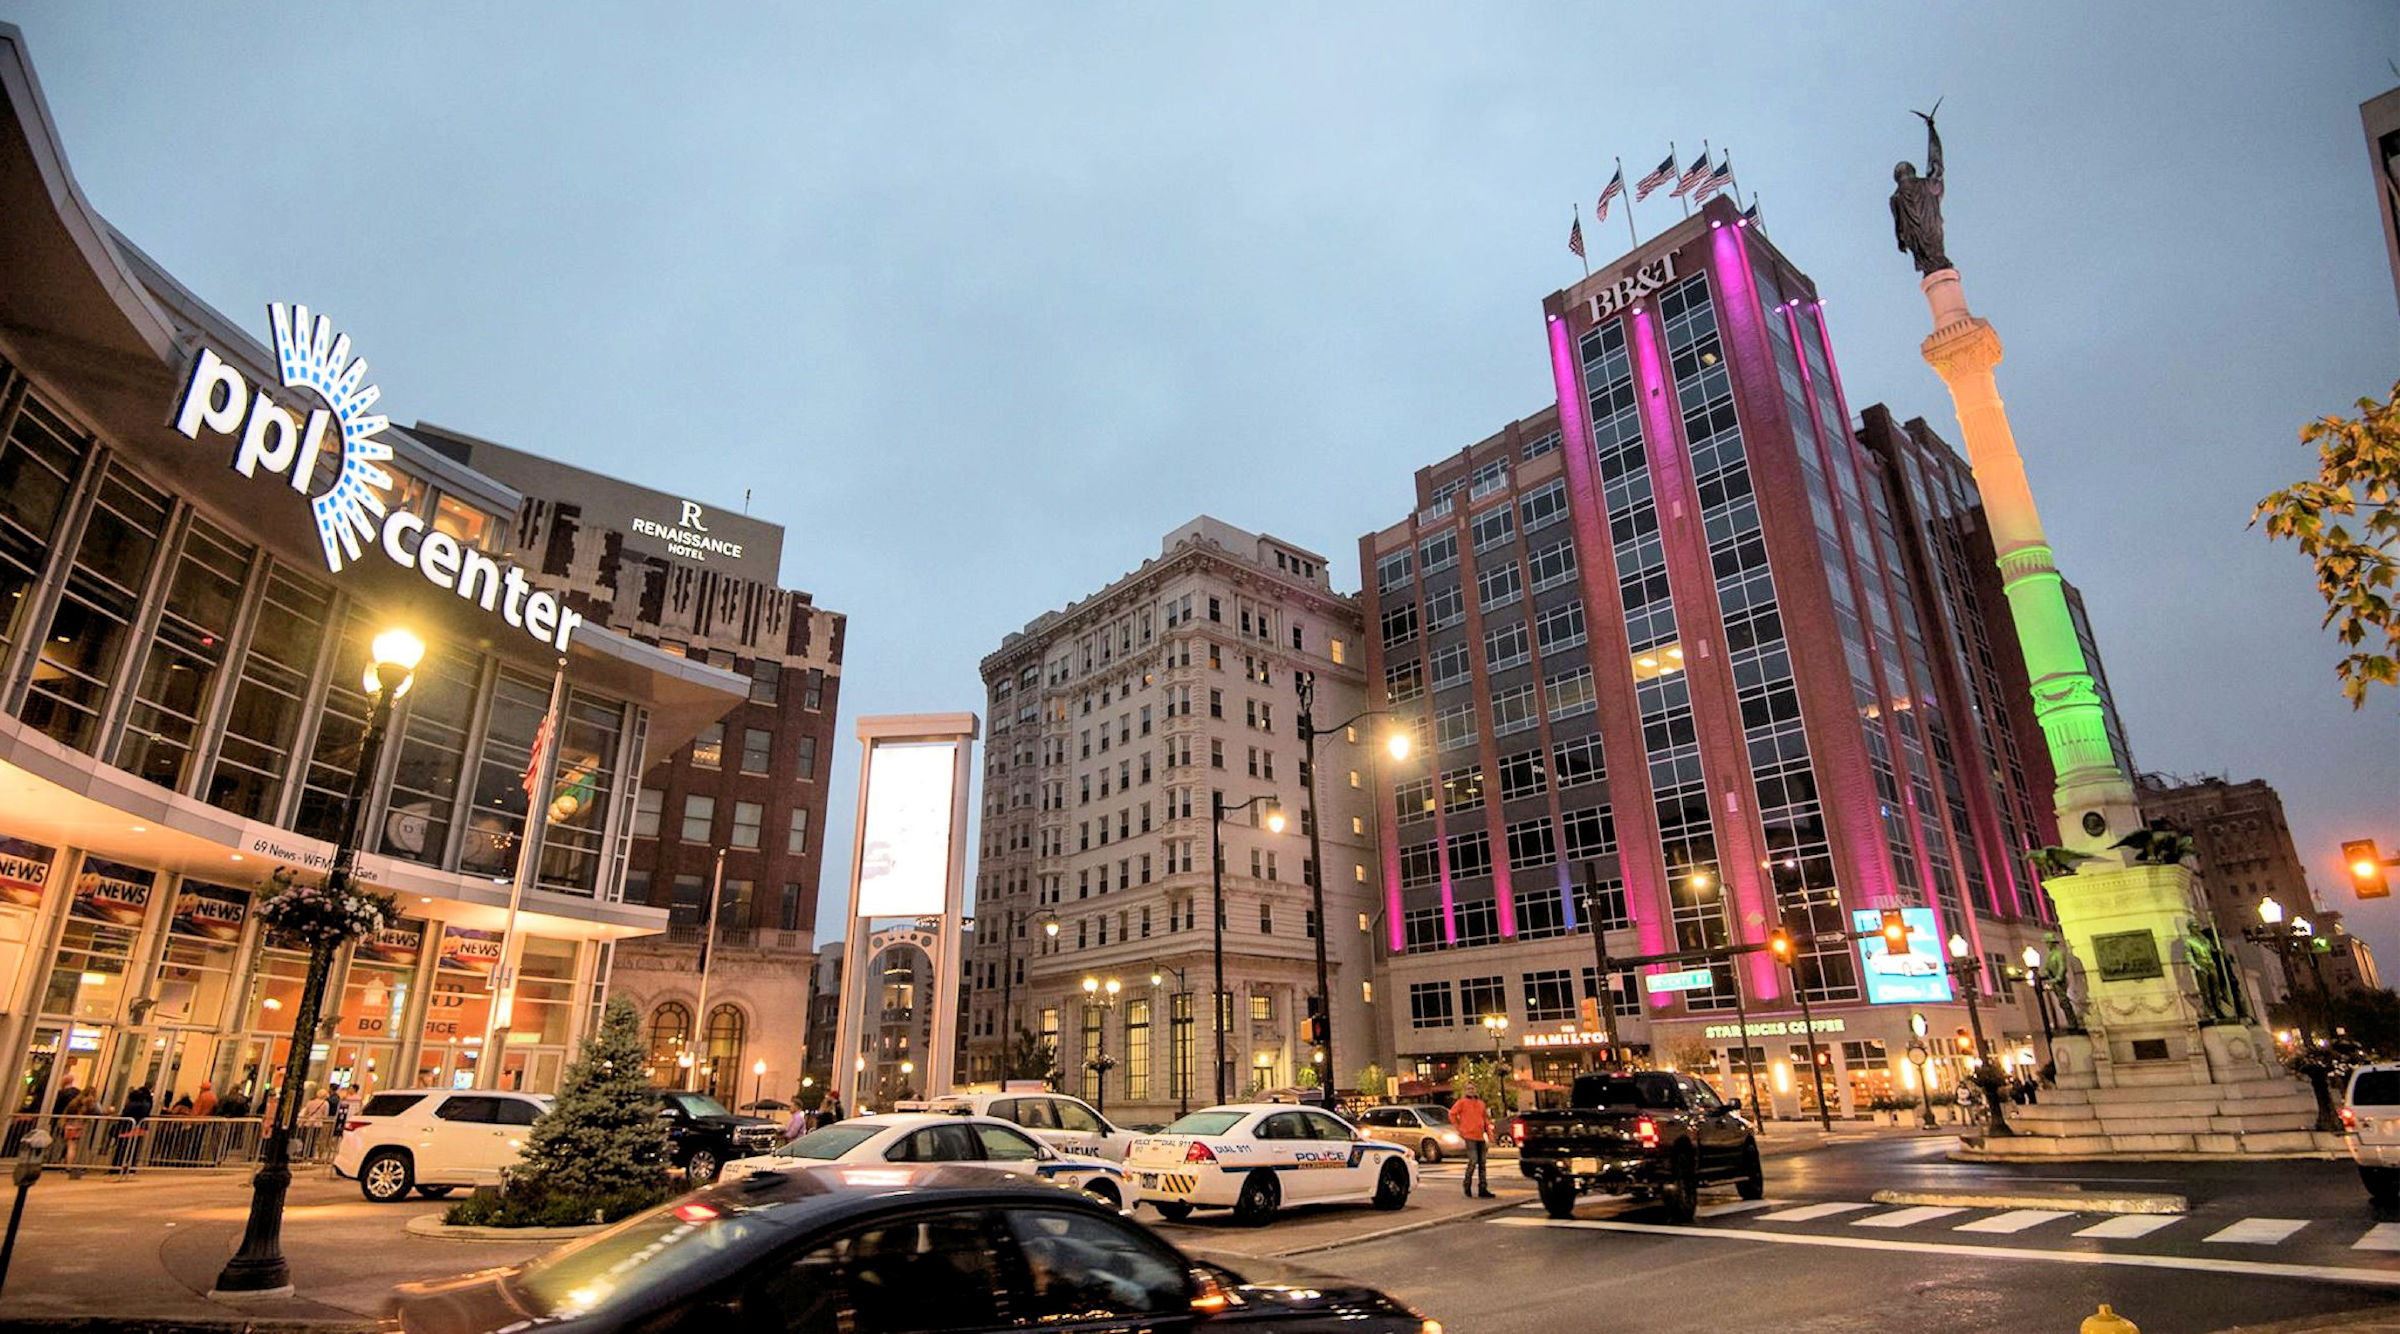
{"x":937,"y":1137}
{"x":1066,"y":1124}
{"x":1255,"y":1158}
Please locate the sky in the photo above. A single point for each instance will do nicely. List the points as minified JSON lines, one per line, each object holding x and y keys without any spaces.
{"x":980,"y":301}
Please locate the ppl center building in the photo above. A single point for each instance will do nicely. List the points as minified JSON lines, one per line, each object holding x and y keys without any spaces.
{"x":200,"y":531}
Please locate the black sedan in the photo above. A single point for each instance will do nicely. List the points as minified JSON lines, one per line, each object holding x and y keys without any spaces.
{"x":885,"y":1250}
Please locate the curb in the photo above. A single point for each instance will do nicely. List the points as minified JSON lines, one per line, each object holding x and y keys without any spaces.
{"x":1482,"y":1211}
{"x":431,"y":1225}
{"x":1965,"y":1154}
{"x":2069,"y":1199}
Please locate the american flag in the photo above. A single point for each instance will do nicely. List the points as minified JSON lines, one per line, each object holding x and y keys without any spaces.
{"x":1716,"y":181}
{"x":1659,"y":175}
{"x":1616,"y":187}
{"x":1752,"y":212}
{"x":1575,"y":238}
{"x":531,"y":780}
{"x":1692,"y":176}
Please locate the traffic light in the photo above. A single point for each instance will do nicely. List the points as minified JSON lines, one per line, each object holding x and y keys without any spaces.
{"x":1895,"y":932}
{"x":2365,"y":861}
{"x":1779,"y":944}
{"x":1965,"y":1043}
{"x":1316,"y":1021}
{"x":1591,"y":1014}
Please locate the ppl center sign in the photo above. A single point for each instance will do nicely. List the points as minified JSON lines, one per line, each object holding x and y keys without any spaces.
{"x":354,"y":514}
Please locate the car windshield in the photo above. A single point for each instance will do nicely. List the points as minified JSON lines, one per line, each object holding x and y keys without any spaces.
{"x":649,"y":1251}
{"x":1204,"y":1123}
{"x":1434,"y":1116}
{"x":699,"y":1104}
{"x":828,"y":1144}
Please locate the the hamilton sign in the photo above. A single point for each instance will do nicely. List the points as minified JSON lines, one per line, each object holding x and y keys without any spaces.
{"x":354,"y":515}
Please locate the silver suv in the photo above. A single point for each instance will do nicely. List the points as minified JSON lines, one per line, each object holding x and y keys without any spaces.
{"x":2371,"y":1122}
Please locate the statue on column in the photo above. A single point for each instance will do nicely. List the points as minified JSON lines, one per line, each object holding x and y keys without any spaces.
{"x":1917,"y":202}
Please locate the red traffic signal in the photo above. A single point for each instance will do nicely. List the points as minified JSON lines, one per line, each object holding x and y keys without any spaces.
{"x":1895,"y":931}
{"x":2367,"y":878}
{"x":1779,"y":943}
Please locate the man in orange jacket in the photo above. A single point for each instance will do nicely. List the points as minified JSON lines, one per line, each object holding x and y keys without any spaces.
{"x":1473,"y":1121}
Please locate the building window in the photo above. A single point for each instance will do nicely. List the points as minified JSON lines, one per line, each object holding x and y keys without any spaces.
{"x":1549,"y":995}
{"x":723,"y":1059}
{"x":670,"y":1030}
{"x":758,"y":750}
{"x":1506,"y":646}
{"x":766,"y":681}
{"x":708,"y":748}
{"x":1559,"y":628}
{"x":1429,"y":1005}
{"x":812,"y":695}
{"x":796,"y":843}
{"x":1480,"y":996}
{"x":1262,"y":1008}
{"x":699,"y":818}
{"x":1444,"y":609}
{"x":1552,"y":565}
{"x":1522,"y":774}
{"x":1494,"y":528}
{"x":1514,"y":711}
{"x":1544,"y":505}
{"x":648,"y":804}
{"x":1499,"y":585}
{"x":1570,"y":694}
{"x":807,"y":767}
{"x":1137,"y":1049}
{"x":787,"y":914}
{"x":1437,"y":553}
{"x":1579,"y":762}
{"x":747,"y":817}
{"x":89,"y":632}
{"x":1471,"y":854}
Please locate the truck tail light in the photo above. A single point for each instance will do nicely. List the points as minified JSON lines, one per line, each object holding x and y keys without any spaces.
{"x":1645,"y":1133}
{"x":1516,"y":1131}
{"x":1199,"y":1153}
{"x":2349,"y":1119}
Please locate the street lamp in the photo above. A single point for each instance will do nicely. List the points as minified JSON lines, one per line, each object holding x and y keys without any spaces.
{"x":1103,"y":995}
{"x":1497,"y":1026}
{"x":1917,"y":1055}
{"x":1305,"y":684}
{"x":1182,"y":1068}
{"x":1781,"y":944}
{"x":758,"y":1087}
{"x":1217,"y":811}
{"x":1966,"y":968}
{"x":2041,"y":997}
{"x":2286,"y":938}
{"x":259,"y":1268}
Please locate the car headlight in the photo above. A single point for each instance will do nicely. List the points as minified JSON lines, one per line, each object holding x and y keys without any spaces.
{"x":1452,"y":1137}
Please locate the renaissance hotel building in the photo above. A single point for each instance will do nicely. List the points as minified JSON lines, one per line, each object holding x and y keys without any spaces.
{"x":200,"y":532}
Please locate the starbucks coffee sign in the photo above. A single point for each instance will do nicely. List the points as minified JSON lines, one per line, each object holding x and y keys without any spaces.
{"x":353,"y":511}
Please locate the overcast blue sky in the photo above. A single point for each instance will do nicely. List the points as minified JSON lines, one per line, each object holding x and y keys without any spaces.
{"x":979,"y":301}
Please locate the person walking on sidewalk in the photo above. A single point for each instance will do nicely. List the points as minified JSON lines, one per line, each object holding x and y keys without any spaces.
{"x":1473,"y":1121}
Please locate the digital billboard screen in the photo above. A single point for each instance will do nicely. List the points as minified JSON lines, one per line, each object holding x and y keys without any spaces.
{"x":904,"y":851}
{"x":1916,"y":977}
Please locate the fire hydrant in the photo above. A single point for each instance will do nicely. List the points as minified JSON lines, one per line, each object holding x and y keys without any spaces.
{"x":2109,"y":1322}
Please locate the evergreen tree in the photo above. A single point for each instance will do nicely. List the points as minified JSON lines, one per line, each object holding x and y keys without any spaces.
{"x":601,"y":1137}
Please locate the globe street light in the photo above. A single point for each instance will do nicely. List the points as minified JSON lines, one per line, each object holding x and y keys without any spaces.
{"x":2041,"y":997}
{"x":1217,"y":811}
{"x":259,"y":1267}
{"x":1182,"y":1068}
{"x":1104,"y":996}
{"x":758,"y":1088}
{"x":2287,"y":938}
{"x":1305,"y":684}
{"x":1497,"y":1026}
{"x":1966,"y":968}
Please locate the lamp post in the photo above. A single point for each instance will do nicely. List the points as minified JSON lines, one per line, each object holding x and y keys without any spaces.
{"x":1305,"y":683}
{"x":1104,"y":996}
{"x":1009,"y":922}
{"x":2287,"y":937}
{"x":1781,"y":944}
{"x":1497,"y":1026}
{"x":1217,"y":811}
{"x":758,"y":1085}
{"x":1967,"y":969}
{"x":2041,"y":997}
{"x":1917,"y":1055}
{"x":1182,"y":1069}
{"x":258,"y":1268}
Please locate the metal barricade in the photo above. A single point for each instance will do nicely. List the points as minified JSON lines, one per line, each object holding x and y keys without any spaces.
{"x":197,"y":1141}
{"x":118,"y":1144}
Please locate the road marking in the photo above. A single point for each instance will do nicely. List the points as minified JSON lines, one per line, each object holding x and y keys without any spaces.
{"x":2259,"y":1231}
{"x":2377,"y":1278}
{"x":2381,"y":1237}
{"x":1810,"y":1211}
{"x":2125,"y":1227}
{"x":1923,"y":1213}
{"x":2015,"y":1220}
{"x":1733,"y":1207}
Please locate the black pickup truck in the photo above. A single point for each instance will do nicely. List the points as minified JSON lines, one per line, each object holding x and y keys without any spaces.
{"x":702,"y":1136}
{"x":1644,"y":1133}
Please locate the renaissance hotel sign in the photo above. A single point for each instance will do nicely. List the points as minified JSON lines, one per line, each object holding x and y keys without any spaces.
{"x":354,"y":514}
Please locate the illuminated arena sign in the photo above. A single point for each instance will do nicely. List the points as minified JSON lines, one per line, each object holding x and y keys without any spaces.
{"x":353,"y":514}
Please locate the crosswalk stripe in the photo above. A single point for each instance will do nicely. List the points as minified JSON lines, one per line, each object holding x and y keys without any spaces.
{"x":2381,"y":1237}
{"x":2125,"y":1227}
{"x":2015,"y":1220}
{"x":1808,"y":1211}
{"x":1924,"y":1213}
{"x":1734,"y":1207}
{"x":2259,"y":1231}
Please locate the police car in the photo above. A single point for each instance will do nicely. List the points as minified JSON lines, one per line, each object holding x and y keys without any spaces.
{"x":938,"y":1137}
{"x":1066,"y":1124}
{"x":1255,"y":1158}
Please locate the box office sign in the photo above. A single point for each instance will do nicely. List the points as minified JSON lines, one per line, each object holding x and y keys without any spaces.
{"x":112,"y":892}
{"x":209,"y":912}
{"x":469,"y":951}
{"x":24,"y":872}
{"x":353,"y":510}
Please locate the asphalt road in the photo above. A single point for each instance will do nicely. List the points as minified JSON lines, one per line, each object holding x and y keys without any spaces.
{"x":2263,"y":1242}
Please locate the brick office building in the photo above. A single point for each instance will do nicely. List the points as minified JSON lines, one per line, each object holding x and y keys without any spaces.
{"x":702,"y":582}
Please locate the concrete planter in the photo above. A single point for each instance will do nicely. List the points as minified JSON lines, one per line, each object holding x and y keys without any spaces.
{"x":431,"y":1225}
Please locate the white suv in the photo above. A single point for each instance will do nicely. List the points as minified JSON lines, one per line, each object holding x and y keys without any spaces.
{"x":433,"y":1141}
{"x":2371,"y":1122}
{"x":1066,"y":1124}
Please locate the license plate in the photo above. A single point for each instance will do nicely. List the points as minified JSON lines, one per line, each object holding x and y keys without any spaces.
{"x":1584,"y":1166}
{"x":1149,"y":1180}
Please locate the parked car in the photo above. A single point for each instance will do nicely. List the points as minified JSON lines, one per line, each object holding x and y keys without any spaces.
{"x":941,"y":1137}
{"x":2371,"y":1123}
{"x":1423,"y":1129}
{"x":871,"y":1250}
{"x":433,"y":1141}
{"x":1254,"y":1158}
{"x":702,"y":1136}
{"x":1648,"y":1134}
{"x":1066,"y":1124}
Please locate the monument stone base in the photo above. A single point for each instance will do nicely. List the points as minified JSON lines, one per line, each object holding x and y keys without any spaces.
{"x":2247,"y":1110}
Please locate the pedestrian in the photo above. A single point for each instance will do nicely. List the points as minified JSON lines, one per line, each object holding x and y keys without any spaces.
{"x":138,"y":1106}
{"x":833,"y":1109}
{"x":1473,"y":1122}
{"x":59,"y":1100}
{"x":797,"y":1125}
{"x":337,"y":1109}
{"x":206,"y":1103}
{"x":1966,"y":1102}
{"x":233,"y":1104}
{"x":182,"y":1106}
{"x":78,"y":1123}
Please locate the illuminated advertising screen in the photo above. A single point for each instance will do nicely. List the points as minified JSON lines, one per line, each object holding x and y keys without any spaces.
{"x":1914,"y":978}
{"x":904,"y":853}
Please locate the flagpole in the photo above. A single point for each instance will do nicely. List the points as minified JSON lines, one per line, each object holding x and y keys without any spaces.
{"x":499,"y":1015}
{"x":1732,"y":180}
{"x":1586,"y":258}
{"x":1678,"y":160}
{"x":1630,"y":234}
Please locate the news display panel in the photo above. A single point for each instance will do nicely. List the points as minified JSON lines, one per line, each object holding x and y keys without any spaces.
{"x":1920,"y":975}
{"x":904,"y":846}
